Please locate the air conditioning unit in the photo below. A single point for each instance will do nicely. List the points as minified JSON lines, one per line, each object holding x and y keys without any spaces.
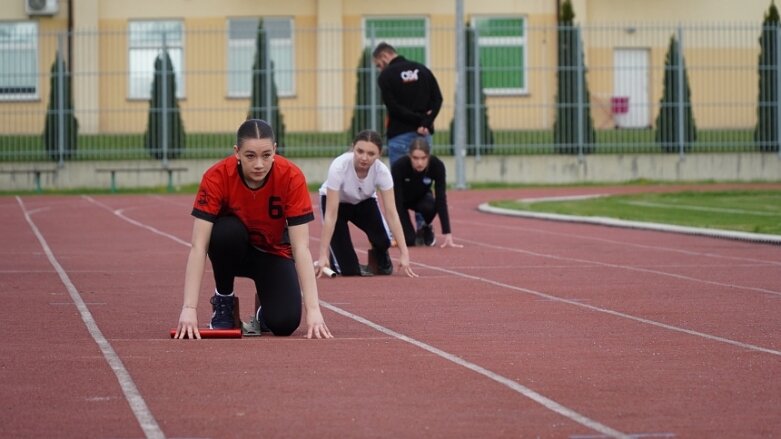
{"x":41,"y":7}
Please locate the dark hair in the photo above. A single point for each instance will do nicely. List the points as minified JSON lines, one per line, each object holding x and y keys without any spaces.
{"x":369,"y":136}
{"x":254,"y":129}
{"x":421,"y":144}
{"x":383,"y":47}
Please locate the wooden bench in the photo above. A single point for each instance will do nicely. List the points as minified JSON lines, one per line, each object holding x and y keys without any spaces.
{"x":35,"y":172}
{"x":115,"y":171}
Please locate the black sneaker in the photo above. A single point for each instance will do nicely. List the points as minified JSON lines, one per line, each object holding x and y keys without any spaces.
{"x":419,"y":237}
{"x":380,"y":262}
{"x":223,"y":316}
{"x":428,"y":235}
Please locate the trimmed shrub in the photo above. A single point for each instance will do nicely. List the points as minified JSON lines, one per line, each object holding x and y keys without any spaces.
{"x":51,"y":130}
{"x":262,"y":85}
{"x":668,"y":120}
{"x":766,"y":133}
{"x":164,"y":111}
{"x":570,"y":73}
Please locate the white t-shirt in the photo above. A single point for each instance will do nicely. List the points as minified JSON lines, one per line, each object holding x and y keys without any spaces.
{"x":353,"y":190}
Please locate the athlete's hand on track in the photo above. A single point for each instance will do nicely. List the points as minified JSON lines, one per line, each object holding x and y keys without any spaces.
{"x":315,"y":326}
{"x":405,"y":268}
{"x":188,"y":324}
{"x":449,"y":242}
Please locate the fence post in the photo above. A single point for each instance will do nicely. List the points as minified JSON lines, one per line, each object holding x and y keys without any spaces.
{"x":267,"y":67}
{"x":777,"y":102}
{"x":164,"y":92}
{"x":61,"y":99}
{"x":579,"y":66}
{"x":681,"y":115}
{"x":459,"y":125}
{"x":476,"y":89}
{"x":373,"y":86}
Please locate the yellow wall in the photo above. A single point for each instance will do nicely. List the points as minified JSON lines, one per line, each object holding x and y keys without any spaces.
{"x":322,"y":104}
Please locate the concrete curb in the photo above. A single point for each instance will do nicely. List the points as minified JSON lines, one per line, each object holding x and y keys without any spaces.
{"x":612,"y":222}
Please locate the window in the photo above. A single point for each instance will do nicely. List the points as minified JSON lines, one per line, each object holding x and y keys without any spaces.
{"x":242,"y":41}
{"x":18,"y":61}
{"x":146,"y":42}
{"x":406,"y":35}
{"x":502,"y":45}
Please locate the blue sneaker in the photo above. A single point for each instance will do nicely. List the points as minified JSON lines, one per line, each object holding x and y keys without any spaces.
{"x":223,"y":316}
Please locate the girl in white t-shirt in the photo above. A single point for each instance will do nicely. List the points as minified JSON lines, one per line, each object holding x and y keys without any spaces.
{"x":349,"y":194}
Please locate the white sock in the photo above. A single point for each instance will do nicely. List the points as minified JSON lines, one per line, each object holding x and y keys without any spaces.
{"x":223,"y":295}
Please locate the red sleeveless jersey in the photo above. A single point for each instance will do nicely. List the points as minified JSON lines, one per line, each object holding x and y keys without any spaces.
{"x":266,"y":211}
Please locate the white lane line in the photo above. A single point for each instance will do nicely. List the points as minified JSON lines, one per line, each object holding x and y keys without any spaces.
{"x":623,"y":267}
{"x":525,"y":391}
{"x":605,"y":310}
{"x":120,"y":213}
{"x":137,"y":404}
{"x":622,"y":243}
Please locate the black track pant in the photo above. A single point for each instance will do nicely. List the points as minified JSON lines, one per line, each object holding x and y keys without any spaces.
{"x":426,"y":206}
{"x":275,"y":277}
{"x":367,"y":217}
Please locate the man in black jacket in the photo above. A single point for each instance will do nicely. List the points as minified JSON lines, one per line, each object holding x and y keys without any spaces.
{"x":411,"y":95}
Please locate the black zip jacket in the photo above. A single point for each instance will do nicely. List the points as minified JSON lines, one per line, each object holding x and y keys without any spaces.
{"x":409,"y":91}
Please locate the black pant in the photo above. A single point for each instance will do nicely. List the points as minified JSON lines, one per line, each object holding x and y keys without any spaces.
{"x":275,"y":277}
{"x":426,"y":206}
{"x":367,"y":217}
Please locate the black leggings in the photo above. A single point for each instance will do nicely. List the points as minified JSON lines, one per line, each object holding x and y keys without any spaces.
{"x":426,"y":206}
{"x":367,"y":217}
{"x":275,"y":277}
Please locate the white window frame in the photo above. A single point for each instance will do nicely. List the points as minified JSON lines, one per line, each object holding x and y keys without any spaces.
{"x":277,"y":44}
{"x":423,"y":42}
{"x":31,"y":44}
{"x":520,"y":41}
{"x":139,"y":85}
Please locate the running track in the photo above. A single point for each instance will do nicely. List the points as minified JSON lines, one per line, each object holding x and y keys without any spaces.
{"x":533,"y":329}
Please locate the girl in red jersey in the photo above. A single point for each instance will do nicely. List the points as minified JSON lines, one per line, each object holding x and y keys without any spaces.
{"x":349,"y":194}
{"x":251,"y":218}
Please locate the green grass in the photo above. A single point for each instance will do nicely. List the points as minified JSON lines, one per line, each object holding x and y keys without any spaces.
{"x":754,"y":211}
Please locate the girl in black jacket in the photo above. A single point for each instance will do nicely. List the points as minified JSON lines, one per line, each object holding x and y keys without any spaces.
{"x":413,"y":178}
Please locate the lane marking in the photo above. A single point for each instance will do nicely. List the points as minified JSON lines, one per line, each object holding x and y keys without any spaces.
{"x":523,"y":390}
{"x":137,"y":404}
{"x":622,"y":243}
{"x":607,"y":311}
{"x":624,"y":267}
{"x":120,"y":213}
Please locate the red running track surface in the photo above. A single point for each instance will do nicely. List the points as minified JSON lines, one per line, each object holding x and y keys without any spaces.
{"x":533,"y":329}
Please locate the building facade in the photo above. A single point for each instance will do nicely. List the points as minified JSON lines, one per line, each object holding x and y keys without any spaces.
{"x":316,"y":46}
